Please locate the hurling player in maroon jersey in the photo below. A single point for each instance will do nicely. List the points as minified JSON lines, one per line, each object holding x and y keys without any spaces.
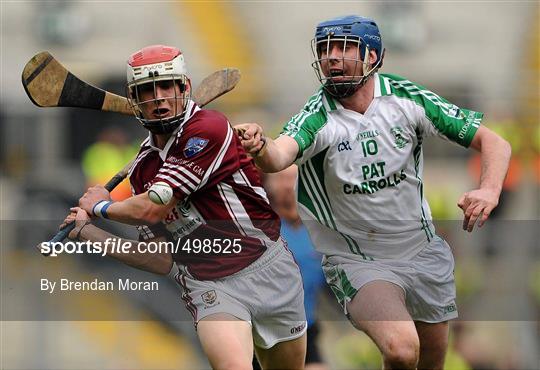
{"x":239,"y":281}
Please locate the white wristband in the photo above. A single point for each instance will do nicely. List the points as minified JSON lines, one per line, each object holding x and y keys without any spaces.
{"x":100,"y":208}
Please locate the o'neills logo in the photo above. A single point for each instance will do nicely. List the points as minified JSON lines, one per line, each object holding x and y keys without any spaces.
{"x":298,"y":329}
{"x":465,"y":128}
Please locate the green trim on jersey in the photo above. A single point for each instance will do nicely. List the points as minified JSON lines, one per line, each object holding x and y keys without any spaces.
{"x":305,"y":191}
{"x":384,"y":84}
{"x":330,"y":100}
{"x":341,"y":286}
{"x":417,"y":153}
{"x":459,"y":125}
{"x":304,"y":126}
{"x":313,"y":195}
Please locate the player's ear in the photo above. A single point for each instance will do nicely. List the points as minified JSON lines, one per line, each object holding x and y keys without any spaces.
{"x":372,"y":57}
{"x":188,"y":85}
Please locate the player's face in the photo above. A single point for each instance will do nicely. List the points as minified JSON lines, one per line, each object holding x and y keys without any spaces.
{"x":340,"y":60}
{"x":162,"y":99}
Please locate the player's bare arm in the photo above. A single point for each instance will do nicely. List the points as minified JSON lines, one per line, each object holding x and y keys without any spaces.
{"x":137,"y":210}
{"x":158,"y":263}
{"x":495,"y":153}
{"x":270,"y":155}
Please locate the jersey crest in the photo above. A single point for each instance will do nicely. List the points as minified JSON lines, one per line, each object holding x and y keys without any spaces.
{"x":399,"y":140}
{"x":194,"y":145}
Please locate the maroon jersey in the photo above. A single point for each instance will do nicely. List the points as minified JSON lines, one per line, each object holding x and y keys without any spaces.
{"x":223,"y":220}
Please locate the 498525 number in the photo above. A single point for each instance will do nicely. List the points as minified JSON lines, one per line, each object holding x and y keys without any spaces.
{"x":214,"y":246}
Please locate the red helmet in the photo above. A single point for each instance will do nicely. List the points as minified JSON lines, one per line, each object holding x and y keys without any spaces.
{"x":149,"y":66}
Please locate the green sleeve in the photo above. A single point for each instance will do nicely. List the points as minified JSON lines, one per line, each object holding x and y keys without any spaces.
{"x":438,"y":114}
{"x":304,"y":126}
{"x":458,"y":125}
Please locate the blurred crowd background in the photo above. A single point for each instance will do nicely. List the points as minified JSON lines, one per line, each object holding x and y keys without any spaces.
{"x":478,"y":54}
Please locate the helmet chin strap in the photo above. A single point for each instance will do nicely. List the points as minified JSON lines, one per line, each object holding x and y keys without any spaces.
{"x":365,"y":64}
{"x":165,"y":125}
{"x":367,"y":72}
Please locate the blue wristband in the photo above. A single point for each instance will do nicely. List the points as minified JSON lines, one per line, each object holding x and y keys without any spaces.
{"x":100,"y":208}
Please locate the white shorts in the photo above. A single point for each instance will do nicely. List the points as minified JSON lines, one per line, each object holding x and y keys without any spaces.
{"x":268,"y":294}
{"x":427,"y":280}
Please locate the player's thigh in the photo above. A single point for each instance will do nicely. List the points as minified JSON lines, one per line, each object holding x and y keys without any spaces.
{"x":433,"y":335}
{"x":376,"y":301}
{"x":379,"y":309}
{"x":290,"y":354}
{"x":226,"y":341}
{"x":277,"y":308}
{"x":431,"y":294}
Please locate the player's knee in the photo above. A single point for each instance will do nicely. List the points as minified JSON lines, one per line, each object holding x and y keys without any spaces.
{"x":402,"y":352}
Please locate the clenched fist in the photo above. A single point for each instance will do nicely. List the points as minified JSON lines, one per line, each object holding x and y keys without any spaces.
{"x":252,"y":137}
{"x":477,"y":205}
{"x":93,"y":195}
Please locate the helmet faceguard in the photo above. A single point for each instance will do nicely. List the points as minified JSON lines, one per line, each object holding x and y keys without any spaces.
{"x":158,"y":86}
{"x":359,"y":32}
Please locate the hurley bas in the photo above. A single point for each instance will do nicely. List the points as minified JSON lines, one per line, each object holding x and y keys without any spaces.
{"x":96,"y":285}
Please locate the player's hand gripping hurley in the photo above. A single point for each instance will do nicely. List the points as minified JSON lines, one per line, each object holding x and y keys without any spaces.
{"x":49,"y":84}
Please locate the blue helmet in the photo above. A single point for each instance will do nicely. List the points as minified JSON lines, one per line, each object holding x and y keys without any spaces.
{"x":360,"y":32}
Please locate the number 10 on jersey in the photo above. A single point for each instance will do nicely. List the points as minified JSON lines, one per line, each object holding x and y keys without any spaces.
{"x":369,"y":147}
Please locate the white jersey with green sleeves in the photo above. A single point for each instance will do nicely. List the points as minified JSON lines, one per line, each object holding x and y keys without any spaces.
{"x":360,"y":189}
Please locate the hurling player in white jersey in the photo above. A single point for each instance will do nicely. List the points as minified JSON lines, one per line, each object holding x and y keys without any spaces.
{"x":358,"y":145}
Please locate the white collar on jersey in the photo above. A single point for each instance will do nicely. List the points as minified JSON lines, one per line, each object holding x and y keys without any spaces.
{"x":191,"y":109}
{"x":377,"y":91}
